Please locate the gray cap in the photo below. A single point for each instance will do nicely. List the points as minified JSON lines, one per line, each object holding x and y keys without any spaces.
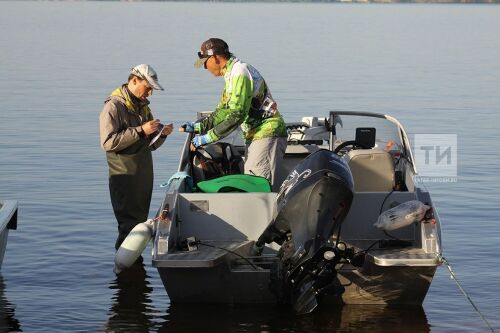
{"x":147,"y":73}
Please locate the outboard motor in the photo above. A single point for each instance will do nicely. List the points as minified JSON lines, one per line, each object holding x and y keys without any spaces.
{"x":312,"y":203}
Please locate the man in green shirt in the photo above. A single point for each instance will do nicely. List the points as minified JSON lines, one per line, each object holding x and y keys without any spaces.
{"x":246,"y":102}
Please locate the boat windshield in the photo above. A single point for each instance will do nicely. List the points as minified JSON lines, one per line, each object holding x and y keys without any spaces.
{"x":387,"y":133}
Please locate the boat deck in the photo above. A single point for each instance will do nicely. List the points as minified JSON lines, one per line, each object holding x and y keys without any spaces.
{"x":403,"y":257}
{"x":207,"y":254}
{"x":396,"y":255}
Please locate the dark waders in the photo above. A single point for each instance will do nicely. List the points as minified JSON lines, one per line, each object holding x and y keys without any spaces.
{"x":130,"y":186}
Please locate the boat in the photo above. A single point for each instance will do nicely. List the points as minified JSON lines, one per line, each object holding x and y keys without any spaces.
{"x":351,"y":223}
{"x":8,"y":221}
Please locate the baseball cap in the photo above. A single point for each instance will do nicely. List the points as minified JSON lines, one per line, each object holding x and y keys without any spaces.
{"x":147,"y":73}
{"x":210,"y":47}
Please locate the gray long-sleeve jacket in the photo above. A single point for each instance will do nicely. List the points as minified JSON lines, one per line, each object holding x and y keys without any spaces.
{"x":126,"y":146}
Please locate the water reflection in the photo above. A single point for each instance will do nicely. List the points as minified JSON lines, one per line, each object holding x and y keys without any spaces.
{"x":8,"y":321}
{"x":347,"y":318}
{"x":131,"y":309}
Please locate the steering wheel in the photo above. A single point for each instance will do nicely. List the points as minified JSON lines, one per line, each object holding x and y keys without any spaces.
{"x":352,"y":143}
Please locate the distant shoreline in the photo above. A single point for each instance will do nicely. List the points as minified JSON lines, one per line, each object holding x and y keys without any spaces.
{"x":309,"y":1}
{"x":329,"y":1}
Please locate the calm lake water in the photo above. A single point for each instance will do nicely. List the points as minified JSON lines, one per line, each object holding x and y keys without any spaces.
{"x":435,"y":67}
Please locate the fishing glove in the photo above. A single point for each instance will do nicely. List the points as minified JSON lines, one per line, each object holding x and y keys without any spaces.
{"x":188,"y":126}
{"x":201,"y":140}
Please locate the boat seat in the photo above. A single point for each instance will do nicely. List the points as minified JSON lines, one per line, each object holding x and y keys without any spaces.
{"x":372,"y":170}
{"x":294,"y":155}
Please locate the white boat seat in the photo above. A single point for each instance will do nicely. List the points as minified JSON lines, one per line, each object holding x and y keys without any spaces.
{"x":372,"y":170}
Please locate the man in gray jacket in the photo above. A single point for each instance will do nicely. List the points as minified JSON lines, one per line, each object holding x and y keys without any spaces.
{"x":129,"y":133}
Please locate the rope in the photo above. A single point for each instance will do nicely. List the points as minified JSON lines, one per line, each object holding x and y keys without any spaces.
{"x":454,"y":277}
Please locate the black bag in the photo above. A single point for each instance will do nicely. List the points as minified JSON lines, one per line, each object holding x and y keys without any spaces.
{"x":216,"y":160}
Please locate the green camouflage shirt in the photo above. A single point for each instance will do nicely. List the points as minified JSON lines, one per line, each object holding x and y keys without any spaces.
{"x":247,"y":102}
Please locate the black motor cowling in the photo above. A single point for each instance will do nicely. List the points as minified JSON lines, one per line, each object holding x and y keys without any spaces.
{"x":312,"y":203}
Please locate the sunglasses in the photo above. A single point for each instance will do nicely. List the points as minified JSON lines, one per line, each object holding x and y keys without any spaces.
{"x":204,"y":56}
